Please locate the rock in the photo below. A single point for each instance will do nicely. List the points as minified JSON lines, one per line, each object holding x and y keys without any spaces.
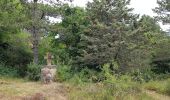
{"x":47,"y":74}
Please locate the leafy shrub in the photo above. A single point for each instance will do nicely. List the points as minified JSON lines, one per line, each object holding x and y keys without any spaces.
{"x":119,"y":82}
{"x":66,"y":73}
{"x":143,"y":75}
{"x":162,"y":76}
{"x":8,"y":71}
{"x":63,"y":73}
{"x":34,"y":72}
{"x":15,"y":52}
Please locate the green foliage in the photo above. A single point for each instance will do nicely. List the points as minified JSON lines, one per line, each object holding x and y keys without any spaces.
{"x":74,"y":21}
{"x":119,"y":81}
{"x":34,"y":72}
{"x":8,"y":71}
{"x":112,"y":87}
{"x":112,"y":35}
{"x":159,"y":86}
{"x":13,"y":42}
{"x":63,"y":73}
{"x":147,"y":75}
{"x":66,"y":73}
{"x":161,"y":59}
{"x":44,"y":47}
{"x":15,"y":52}
{"x":163,"y":11}
{"x":144,"y":75}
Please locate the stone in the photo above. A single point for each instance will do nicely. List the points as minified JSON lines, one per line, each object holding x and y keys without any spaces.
{"x":45,"y":72}
{"x":48,"y":72}
{"x":49,"y":58}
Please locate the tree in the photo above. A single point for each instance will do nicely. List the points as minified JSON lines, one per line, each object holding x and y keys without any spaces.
{"x":14,"y":46}
{"x":73,"y":23}
{"x":114,"y":36}
{"x":36,"y":19}
{"x":9,"y":11}
{"x":162,"y":55}
{"x":163,"y":11}
{"x":103,"y":39}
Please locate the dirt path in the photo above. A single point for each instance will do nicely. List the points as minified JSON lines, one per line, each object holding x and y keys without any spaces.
{"x":157,"y":96}
{"x":32,"y":91}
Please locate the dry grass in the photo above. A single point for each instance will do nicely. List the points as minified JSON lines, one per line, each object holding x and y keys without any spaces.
{"x":162,"y":87}
{"x":18,"y":89}
{"x":157,"y":96}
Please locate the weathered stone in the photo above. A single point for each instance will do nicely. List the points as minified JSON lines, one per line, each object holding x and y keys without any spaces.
{"x":48,"y":74}
{"x":48,"y":71}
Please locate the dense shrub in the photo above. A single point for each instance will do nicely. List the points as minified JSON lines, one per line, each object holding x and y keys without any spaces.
{"x":110,"y":88}
{"x":8,"y":71}
{"x":15,"y":52}
{"x":34,"y":72}
{"x":63,"y":73}
{"x":144,"y":75}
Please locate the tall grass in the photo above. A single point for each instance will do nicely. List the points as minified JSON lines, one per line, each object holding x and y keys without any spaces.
{"x":159,"y":86}
{"x":83,"y":86}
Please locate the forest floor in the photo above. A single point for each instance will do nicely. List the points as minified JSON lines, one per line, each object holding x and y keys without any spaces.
{"x":19,"y":89}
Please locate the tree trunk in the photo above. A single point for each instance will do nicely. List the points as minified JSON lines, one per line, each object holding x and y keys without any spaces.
{"x":35,"y":35}
{"x":35,"y":45}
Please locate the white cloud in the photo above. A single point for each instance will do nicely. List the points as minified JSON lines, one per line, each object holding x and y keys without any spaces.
{"x":144,"y":6}
{"x":81,"y":3}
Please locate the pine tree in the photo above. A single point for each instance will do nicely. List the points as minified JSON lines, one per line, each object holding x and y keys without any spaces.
{"x":163,"y":11}
{"x":105,"y":39}
{"x":114,"y":36}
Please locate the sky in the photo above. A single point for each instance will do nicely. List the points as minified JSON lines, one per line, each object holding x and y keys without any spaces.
{"x":140,"y":7}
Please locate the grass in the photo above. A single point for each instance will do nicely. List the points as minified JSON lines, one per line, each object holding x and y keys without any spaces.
{"x":119,"y":90}
{"x":19,"y":88}
{"x":162,"y":87}
{"x":16,"y":87}
{"x":100,"y":91}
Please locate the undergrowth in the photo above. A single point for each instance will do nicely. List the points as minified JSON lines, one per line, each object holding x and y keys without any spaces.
{"x":159,"y":86}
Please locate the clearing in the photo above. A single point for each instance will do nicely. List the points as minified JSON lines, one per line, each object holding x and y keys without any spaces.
{"x":19,"y":89}
{"x":11,"y":89}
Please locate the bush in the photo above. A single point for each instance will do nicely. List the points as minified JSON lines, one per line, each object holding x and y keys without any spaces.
{"x":119,"y":82}
{"x":144,"y":75}
{"x":34,"y":72}
{"x":64,"y":73}
{"x":8,"y":71}
{"x":15,"y":52}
